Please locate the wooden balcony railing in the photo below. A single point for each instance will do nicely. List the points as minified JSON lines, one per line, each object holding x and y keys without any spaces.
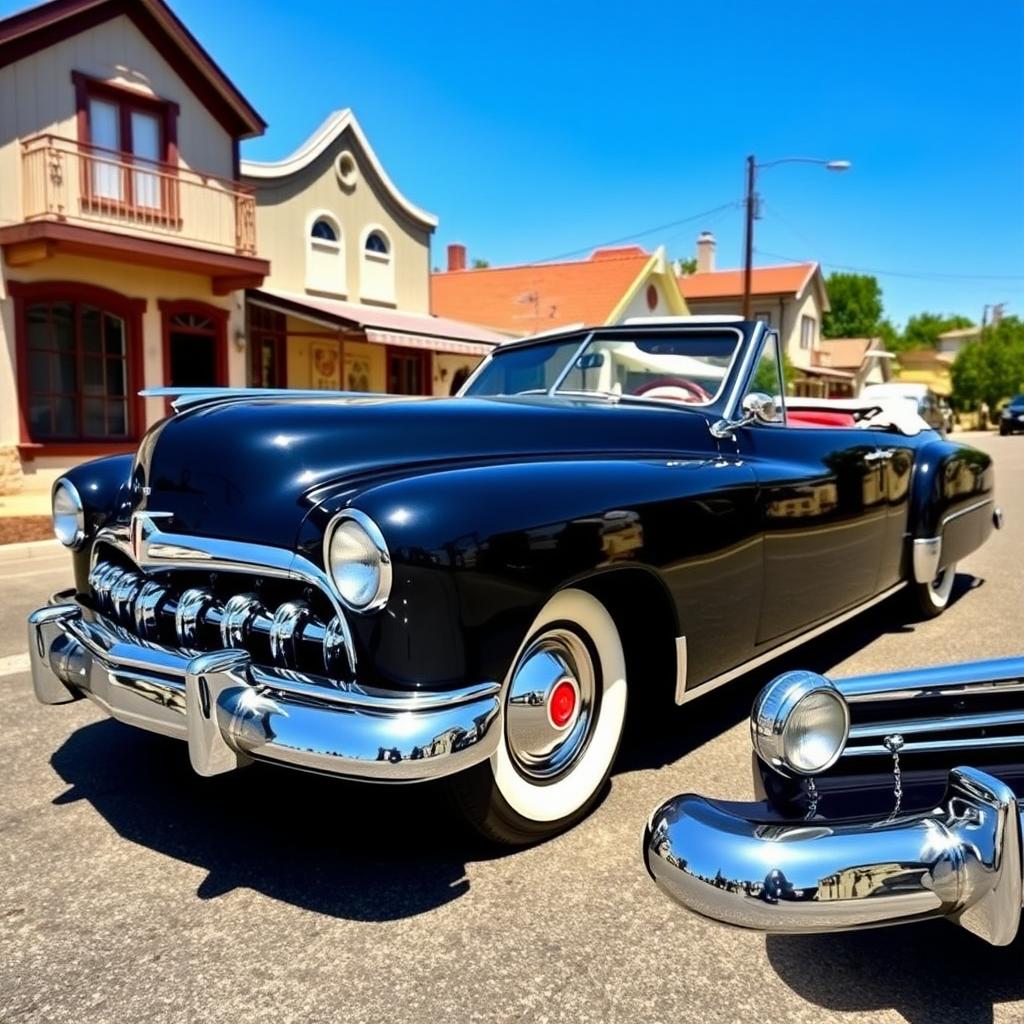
{"x":69,"y":181}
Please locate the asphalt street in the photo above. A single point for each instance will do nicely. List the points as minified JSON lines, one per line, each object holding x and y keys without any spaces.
{"x":132,"y":890}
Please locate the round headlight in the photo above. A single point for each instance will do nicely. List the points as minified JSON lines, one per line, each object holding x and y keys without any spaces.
{"x":68,"y":514}
{"x":800,"y":723}
{"x":358,"y":562}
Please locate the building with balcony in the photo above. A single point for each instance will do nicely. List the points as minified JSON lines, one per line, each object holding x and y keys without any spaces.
{"x":128,"y":237}
{"x":347,"y":301}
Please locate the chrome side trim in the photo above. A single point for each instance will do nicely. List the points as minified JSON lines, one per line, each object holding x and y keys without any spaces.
{"x":788,"y":645}
{"x":185,"y":398}
{"x":681,"y":668}
{"x":967,"y":511}
{"x":927,"y":552}
{"x":961,"y":861}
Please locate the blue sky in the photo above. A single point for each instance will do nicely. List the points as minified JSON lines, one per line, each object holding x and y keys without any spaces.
{"x":537,"y":129}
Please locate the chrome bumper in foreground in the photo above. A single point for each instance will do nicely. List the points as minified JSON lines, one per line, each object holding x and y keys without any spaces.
{"x":961,"y":861}
{"x":232,"y":712}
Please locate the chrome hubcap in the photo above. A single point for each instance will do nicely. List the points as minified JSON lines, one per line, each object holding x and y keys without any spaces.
{"x":550,"y":707}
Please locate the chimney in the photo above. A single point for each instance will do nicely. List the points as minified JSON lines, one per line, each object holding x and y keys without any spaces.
{"x":456,"y":256}
{"x":705,"y":253}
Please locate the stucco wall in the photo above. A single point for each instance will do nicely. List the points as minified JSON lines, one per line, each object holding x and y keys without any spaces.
{"x":287,"y":207}
{"x":136,"y":282}
{"x":361,"y":365}
{"x":38,"y":96}
{"x":638,"y":306}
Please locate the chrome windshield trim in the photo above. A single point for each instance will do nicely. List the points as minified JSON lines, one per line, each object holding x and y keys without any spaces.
{"x":150,"y":548}
{"x":570,"y":363}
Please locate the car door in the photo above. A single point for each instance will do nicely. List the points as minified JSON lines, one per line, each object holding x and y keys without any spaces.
{"x":824,"y":517}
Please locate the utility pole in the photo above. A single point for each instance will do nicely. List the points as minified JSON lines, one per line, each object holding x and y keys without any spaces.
{"x":748,"y":255}
{"x":752,"y":210}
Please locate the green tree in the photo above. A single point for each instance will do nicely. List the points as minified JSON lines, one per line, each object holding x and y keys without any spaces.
{"x":856,"y":301}
{"x":479,"y":264}
{"x":991,"y":370}
{"x":685,"y":267}
{"x":923,"y":330}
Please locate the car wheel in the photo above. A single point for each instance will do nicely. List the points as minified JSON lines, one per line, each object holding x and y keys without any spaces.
{"x":931,"y":599}
{"x":1003,"y":431}
{"x":563,"y":716}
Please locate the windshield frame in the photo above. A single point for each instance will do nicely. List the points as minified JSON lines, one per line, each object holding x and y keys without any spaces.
{"x":747,"y":336}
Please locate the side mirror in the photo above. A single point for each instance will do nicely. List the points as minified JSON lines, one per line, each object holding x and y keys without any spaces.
{"x":757,"y":407}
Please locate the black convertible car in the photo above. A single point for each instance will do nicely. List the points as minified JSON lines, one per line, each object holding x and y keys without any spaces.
{"x":402,"y":589}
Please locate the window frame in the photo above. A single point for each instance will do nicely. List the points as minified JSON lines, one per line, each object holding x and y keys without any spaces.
{"x":130,"y":310}
{"x":219,"y":332}
{"x":267,"y":326}
{"x":807,"y":320}
{"x":128,"y":101}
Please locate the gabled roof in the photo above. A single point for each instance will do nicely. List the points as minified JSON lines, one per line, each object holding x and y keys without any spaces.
{"x":36,"y":28}
{"x":846,"y":353}
{"x":790,"y":279}
{"x":539,"y":296}
{"x":320,"y":140}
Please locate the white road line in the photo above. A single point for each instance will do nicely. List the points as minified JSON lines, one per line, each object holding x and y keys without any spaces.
{"x":13,"y":664}
{"x":41,"y":571}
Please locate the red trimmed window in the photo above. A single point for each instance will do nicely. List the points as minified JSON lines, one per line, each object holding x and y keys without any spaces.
{"x":195,"y":344}
{"x":78,"y":363}
{"x":269,"y":339}
{"x":130,"y":147}
{"x":408,"y":371}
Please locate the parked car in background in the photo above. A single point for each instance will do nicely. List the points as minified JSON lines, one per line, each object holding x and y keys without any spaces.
{"x":402,"y":589}
{"x":1011,"y":421}
{"x":948,"y":416}
{"x":925,"y":401}
{"x":883,"y":799}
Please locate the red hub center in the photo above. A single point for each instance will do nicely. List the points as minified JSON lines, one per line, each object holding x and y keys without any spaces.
{"x":562,"y":703}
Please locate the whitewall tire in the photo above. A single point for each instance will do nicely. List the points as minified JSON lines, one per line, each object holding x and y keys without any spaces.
{"x":931,"y":599}
{"x":564,"y":709}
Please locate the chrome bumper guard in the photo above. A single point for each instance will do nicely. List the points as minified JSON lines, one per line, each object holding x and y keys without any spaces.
{"x":961,"y":861}
{"x":232,"y":712}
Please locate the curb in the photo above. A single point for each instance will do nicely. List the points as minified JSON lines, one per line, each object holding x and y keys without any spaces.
{"x":30,"y":549}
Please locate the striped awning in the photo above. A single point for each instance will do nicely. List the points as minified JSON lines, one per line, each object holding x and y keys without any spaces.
{"x":427,"y":341}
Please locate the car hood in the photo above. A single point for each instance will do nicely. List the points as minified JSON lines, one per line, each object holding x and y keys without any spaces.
{"x":250,"y":470}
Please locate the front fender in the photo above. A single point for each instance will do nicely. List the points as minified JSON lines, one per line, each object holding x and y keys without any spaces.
{"x":478,"y":550}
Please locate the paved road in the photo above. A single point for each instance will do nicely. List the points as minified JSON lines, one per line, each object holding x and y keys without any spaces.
{"x":133,"y":891}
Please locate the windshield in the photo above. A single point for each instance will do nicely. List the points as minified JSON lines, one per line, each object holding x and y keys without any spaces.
{"x":688,"y":367}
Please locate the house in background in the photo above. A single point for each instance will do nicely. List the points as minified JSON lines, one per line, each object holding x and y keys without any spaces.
{"x":853,"y":363}
{"x":347,"y":301}
{"x":608,"y":287}
{"x":127,"y":238}
{"x":792,"y":298}
{"x":949,"y":343}
{"x":926,"y":366}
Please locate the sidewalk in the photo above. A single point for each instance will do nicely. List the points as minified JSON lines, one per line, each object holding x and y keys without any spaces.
{"x":35,"y":502}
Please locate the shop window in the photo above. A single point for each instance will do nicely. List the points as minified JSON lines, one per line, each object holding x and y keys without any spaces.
{"x":78,"y":364}
{"x":268,"y":345}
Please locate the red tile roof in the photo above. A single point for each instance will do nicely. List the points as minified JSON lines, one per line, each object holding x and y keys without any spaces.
{"x":726,"y":284}
{"x":537,"y":296}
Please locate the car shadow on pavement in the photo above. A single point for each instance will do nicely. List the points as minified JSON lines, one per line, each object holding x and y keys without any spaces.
{"x":663,"y":735}
{"x":363,"y":852}
{"x":928,"y":973}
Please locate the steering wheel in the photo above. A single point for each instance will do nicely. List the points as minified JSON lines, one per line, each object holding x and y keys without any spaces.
{"x":675,"y":389}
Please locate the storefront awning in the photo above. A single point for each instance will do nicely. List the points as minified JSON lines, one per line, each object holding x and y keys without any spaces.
{"x":385,"y":326}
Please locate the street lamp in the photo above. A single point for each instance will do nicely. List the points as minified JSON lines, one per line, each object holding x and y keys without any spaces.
{"x":751,"y":201}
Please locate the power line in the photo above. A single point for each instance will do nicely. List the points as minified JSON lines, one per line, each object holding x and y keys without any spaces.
{"x":641,"y":234}
{"x":924,"y":275}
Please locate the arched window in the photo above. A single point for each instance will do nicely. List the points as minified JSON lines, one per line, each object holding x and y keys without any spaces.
{"x":325,"y":256}
{"x":376,"y":242}
{"x":377,"y":268}
{"x":324,"y":229}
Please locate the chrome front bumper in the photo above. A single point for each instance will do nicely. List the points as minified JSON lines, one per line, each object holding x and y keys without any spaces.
{"x":961,"y":861}
{"x":232,"y":712}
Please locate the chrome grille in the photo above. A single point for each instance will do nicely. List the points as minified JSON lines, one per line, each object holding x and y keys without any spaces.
{"x":280,"y":623}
